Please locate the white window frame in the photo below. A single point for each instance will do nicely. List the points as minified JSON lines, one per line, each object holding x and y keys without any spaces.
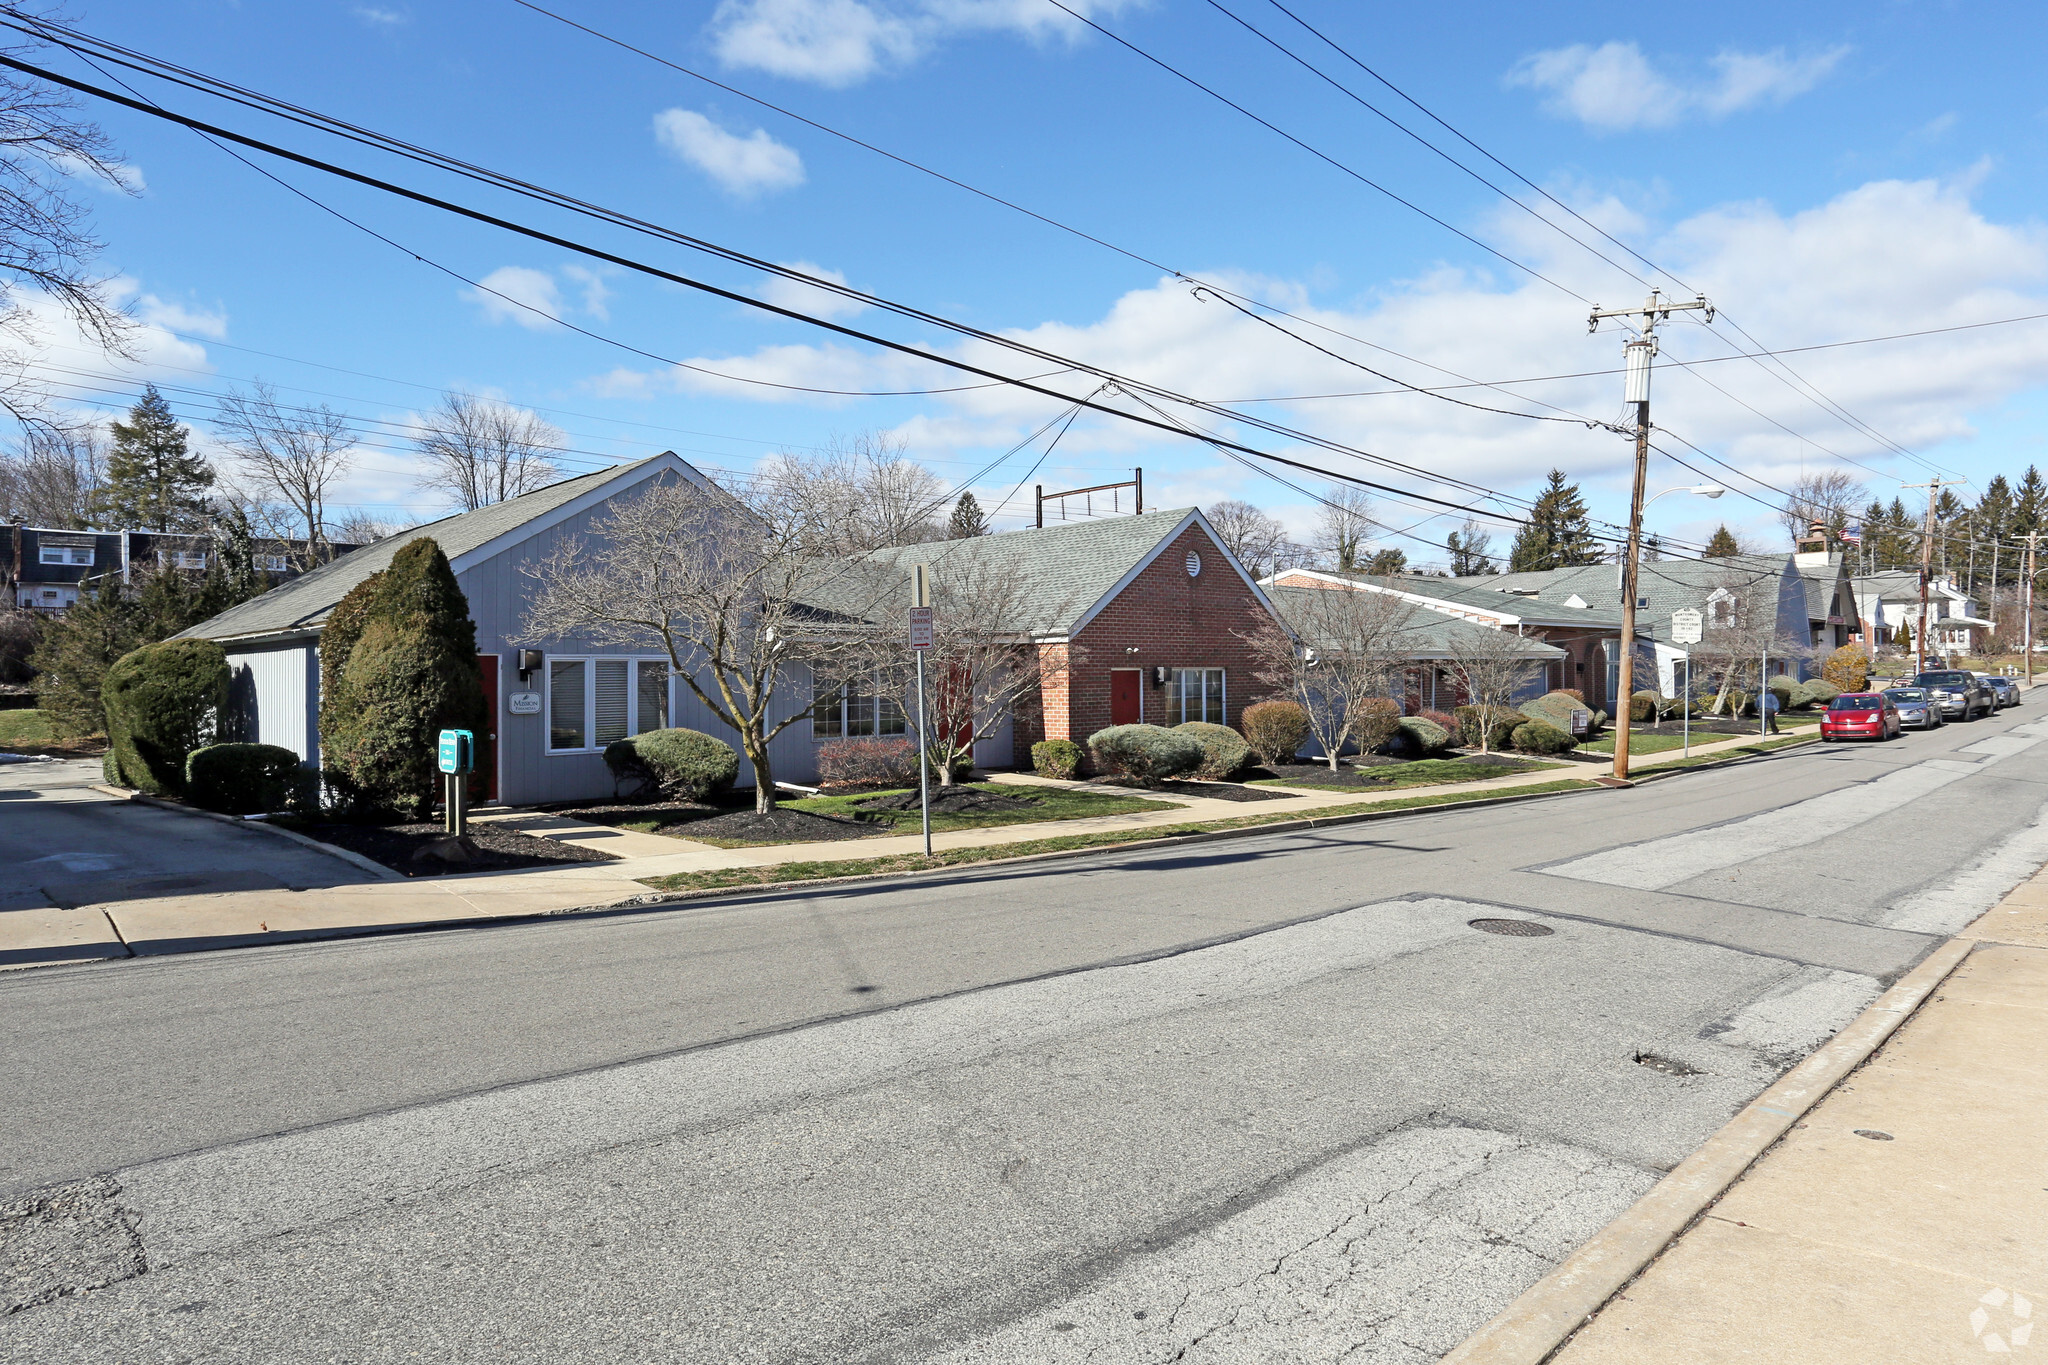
{"x":182,"y":559}
{"x":274,"y":563}
{"x":875,"y":696}
{"x":67,"y":555}
{"x":1176,"y":700}
{"x":634,"y":719}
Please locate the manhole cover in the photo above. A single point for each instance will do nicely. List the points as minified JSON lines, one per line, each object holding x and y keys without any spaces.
{"x":1513,"y":928}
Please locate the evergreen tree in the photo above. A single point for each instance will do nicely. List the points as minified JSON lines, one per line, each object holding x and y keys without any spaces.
{"x":1903,"y":636}
{"x":153,"y":483}
{"x":1992,"y":523}
{"x":2029,"y":503}
{"x":1558,"y":534}
{"x":968,"y":520}
{"x":1468,"y":549}
{"x":76,"y":650}
{"x":1387,"y":563}
{"x":410,"y":674}
{"x":1722,"y":544}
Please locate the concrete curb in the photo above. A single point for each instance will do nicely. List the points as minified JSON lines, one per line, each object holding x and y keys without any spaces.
{"x":1535,"y":1326}
{"x":377,"y":869}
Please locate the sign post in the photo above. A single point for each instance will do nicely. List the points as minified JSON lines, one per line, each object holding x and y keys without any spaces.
{"x":920,"y":641}
{"x":456,"y":757}
{"x":1686,"y":625}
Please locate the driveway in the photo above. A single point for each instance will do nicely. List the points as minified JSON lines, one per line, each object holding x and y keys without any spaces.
{"x":73,"y":852}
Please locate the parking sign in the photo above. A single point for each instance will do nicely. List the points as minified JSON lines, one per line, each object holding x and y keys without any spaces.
{"x":920,"y":627}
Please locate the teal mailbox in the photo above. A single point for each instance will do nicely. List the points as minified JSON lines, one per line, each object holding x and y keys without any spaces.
{"x":458,"y":751}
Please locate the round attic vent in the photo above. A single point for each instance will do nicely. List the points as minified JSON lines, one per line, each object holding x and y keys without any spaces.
{"x":1194,"y":564}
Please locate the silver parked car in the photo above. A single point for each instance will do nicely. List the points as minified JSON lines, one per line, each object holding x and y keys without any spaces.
{"x":2005,"y":689}
{"x":1916,"y":708}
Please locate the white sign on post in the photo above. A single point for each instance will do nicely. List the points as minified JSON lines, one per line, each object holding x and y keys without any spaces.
{"x":920,"y":627}
{"x":1685,"y":626}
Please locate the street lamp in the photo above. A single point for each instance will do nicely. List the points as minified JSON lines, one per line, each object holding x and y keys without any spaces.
{"x":1628,"y":619}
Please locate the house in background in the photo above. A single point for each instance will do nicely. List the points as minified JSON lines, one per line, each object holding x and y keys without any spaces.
{"x":1886,"y":601}
{"x":1586,"y":635}
{"x":46,"y":569}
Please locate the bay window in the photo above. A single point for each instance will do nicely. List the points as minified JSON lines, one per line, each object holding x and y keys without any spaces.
{"x":592,"y":702}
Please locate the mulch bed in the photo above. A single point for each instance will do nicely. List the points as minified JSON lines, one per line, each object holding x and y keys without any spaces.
{"x":1217,"y":791}
{"x":663,"y":813}
{"x":778,"y":826}
{"x":1378,"y":771}
{"x":405,"y":848}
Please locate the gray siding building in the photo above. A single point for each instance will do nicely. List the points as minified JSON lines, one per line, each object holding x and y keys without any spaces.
{"x":550,"y":722}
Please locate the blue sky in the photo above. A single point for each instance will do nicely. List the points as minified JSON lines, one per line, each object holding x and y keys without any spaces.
{"x":1844,"y":172}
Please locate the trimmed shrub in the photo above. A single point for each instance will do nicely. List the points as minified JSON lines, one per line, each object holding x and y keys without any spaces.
{"x":1642,"y":707}
{"x":1374,"y":722}
{"x":1059,"y":759}
{"x":1450,"y":724}
{"x":1145,"y":753}
{"x":1847,"y":669}
{"x":163,"y":701}
{"x":867,"y":763}
{"x":959,"y":767}
{"x":245,"y":779}
{"x":1541,"y":737}
{"x":678,"y":765}
{"x":1577,"y":693}
{"x":1275,"y":730}
{"x":1556,"y":708}
{"x":1822,"y":691}
{"x":1785,"y":689}
{"x":1224,"y":751}
{"x":1421,"y":737}
{"x":411,"y":673}
{"x":1494,"y":726}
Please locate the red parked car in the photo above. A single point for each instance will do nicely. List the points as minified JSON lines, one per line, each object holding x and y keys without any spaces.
{"x":1860,"y":715}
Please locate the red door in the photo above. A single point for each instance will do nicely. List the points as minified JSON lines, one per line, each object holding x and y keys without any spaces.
{"x":483,"y":784}
{"x":1126,"y":704}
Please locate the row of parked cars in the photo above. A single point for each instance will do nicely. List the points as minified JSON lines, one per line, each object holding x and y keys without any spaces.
{"x":1928,"y":700}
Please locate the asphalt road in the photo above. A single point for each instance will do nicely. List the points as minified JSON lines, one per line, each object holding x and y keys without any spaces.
{"x":1268,"y":1099}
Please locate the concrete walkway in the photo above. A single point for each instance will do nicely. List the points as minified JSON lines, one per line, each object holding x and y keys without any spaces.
{"x":1904,"y":1219}
{"x":350,"y":900}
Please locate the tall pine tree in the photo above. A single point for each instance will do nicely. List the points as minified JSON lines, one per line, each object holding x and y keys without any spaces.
{"x":153,"y":482}
{"x":1558,"y":534}
{"x":967,"y":520}
{"x":1722,"y":544}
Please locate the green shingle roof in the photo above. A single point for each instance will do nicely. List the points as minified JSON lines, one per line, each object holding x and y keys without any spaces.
{"x":1669,"y":584}
{"x":1424,"y":633}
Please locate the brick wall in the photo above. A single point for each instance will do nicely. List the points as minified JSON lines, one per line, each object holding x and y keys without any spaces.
{"x":1163,"y":618}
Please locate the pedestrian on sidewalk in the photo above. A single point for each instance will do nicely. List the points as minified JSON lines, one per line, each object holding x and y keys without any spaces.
{"x":1770,"y":705}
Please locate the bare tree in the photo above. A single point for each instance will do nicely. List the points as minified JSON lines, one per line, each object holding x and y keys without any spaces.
{"x":478,"y":451}
{"x":1830,"y":497}
{"x":1343,"y":526}
{"x":688,"y":572}
{"x":358,"y":526}
{"x":1490,"y":666}
{"x":1741,"y":632}
{"x":983,"y":662}
{"x":863,"y":493}
{"x":52,"y":477}
{"x":1254,"y":536}
{"x":287,"y":455}
{"x":1469,"y":546}
{"x":1331,"y":651}
{"x":46,"y":246}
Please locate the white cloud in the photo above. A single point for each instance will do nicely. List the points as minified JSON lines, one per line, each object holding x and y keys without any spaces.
{"x":381,"y":18}
{"x":784,"y":292}
{"x":515,"y":293}
{"x":1887,"y":257}
{"x":176,"y":317}
{"x":745,"y":166}
{"x":596,"y":294}
{"x":843,"y":42}
{"x":1614,"y":87}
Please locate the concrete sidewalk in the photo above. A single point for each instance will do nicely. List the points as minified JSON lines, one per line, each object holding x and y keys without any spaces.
{"x":1905,"y":1219}
{"x":360,"y":903}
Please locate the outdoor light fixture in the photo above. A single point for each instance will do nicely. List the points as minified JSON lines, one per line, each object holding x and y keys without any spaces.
{"x":530,"y":661}
{"x":1159,"y":675}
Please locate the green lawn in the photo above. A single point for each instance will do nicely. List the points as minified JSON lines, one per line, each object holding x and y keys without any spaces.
{"x":955,"y":857}
{"x":1423,"y":772}
{"x":1048,"y":803}
{"x":1726,"y":755}
{"x":32,"y":731}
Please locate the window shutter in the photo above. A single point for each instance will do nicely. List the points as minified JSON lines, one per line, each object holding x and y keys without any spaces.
{"x":565,"y":704}
{"x":612,"y":699}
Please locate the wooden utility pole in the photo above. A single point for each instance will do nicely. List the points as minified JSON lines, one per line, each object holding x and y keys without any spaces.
{"x":1637,"y":352}
{"x":1926,"y":568}
{"x":2027,"y":626}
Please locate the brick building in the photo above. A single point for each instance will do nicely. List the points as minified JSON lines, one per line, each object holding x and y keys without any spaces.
{"x":1148,"y":613}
